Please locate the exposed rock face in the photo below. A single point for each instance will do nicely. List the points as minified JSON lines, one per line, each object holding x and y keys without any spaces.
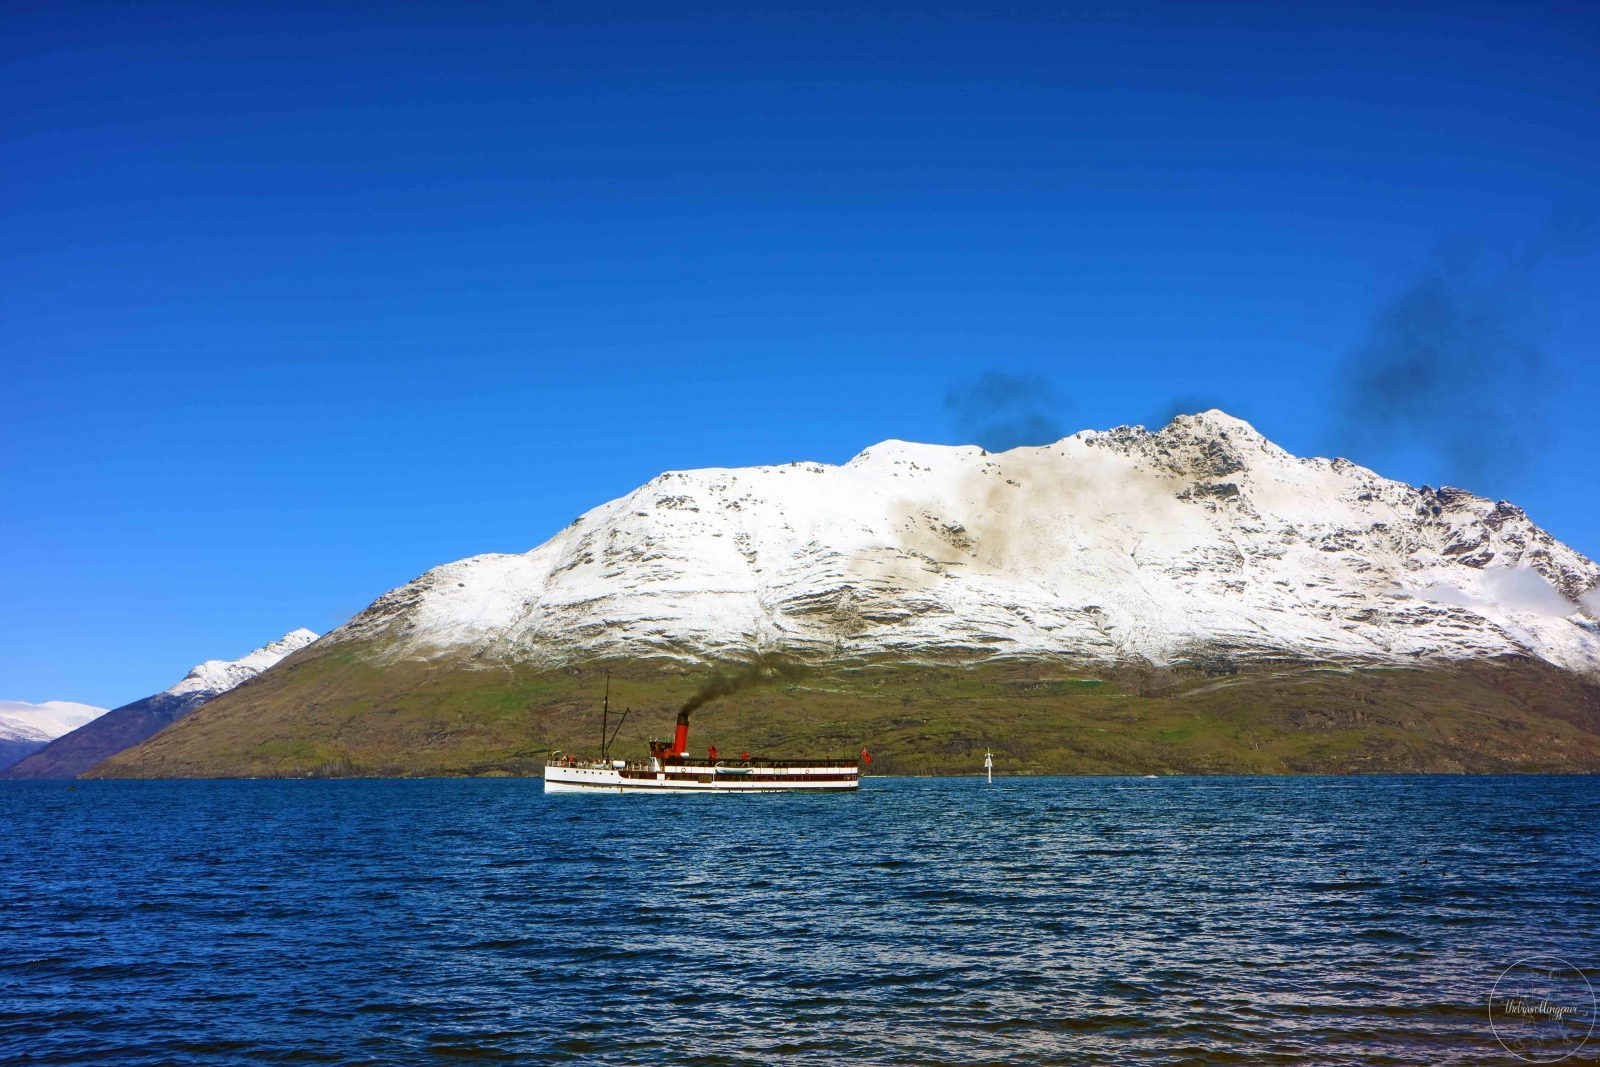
{"x":121,"y":728}
{"x":1198,"y":541}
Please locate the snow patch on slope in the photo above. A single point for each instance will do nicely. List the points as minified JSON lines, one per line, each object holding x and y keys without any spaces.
{"x":1503,"y":590}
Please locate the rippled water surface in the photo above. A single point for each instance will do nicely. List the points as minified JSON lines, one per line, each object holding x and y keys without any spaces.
{"x":1065,"y":920}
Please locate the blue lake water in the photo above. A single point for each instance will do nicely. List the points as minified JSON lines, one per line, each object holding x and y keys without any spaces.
{"x":922,"y":921}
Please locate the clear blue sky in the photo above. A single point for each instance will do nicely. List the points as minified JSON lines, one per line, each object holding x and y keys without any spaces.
{"x":301,"y":300}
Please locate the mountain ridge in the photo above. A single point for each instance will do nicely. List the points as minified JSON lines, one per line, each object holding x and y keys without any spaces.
{"x":81,"y":749}
{"x":679,"y":567}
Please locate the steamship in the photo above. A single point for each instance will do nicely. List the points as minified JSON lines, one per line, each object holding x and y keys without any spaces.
{"x":670,"y":769}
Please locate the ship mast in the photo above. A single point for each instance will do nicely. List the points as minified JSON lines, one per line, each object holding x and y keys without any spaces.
{"x":605,"y":717}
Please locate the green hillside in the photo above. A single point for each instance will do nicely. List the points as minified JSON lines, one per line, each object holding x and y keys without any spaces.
{"x":346,"y":712}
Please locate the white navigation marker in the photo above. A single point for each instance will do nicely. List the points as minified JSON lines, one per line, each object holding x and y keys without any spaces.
{"x":988,"y":766}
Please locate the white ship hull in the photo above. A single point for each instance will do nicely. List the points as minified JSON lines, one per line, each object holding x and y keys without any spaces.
{"x":589,"y":777}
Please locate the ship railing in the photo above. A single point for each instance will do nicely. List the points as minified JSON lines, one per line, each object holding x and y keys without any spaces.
{"x":581,"y":764}
{"x":735,"y":763}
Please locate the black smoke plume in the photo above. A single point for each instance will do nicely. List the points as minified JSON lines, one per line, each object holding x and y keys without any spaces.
{"x":1452,"y":363}
{"x":1004,"y":411}
{"x":728,"y":681}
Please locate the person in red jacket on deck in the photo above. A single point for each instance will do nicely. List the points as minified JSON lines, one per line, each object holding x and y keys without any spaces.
{"x":713,"y":751}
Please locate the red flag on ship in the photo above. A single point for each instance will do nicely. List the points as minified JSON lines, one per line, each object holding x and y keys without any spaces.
{"x":866,"y":757}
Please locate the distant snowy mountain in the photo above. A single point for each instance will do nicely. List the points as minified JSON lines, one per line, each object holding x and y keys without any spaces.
{"x":216,"y":676}
{"x":1202,"y":539}
{"x":26,"y":728}
{"x":84,"y":736}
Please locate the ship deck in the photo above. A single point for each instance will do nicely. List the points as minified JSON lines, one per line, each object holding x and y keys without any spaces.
{"x":700,"y":775}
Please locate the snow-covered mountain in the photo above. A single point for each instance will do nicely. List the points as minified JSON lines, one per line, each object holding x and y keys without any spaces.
{"x":1202,"y":539}
{"x":26,"y":728}
{"x":216,"y":676}
{"x":83,"y":743}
